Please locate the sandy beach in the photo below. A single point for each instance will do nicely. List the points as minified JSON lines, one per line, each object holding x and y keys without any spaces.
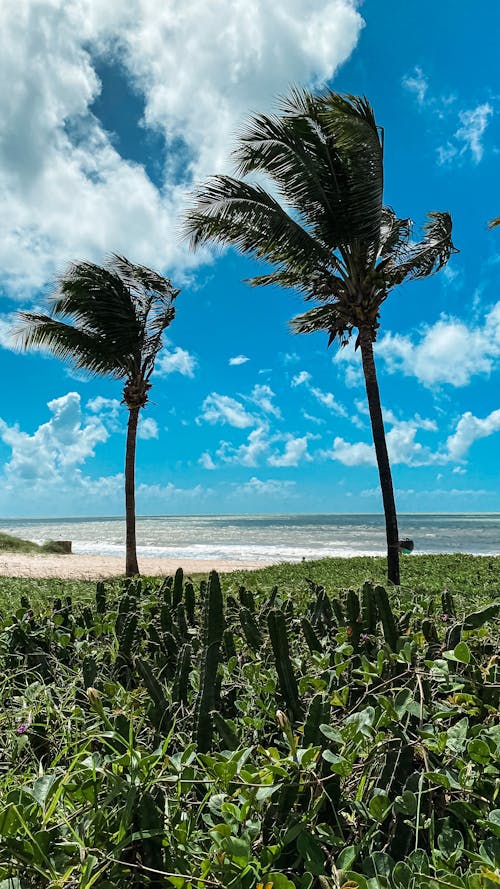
{"x":75,"y":567}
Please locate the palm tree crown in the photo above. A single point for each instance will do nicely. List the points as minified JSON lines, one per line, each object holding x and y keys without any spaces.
{"x":326,"y":233}
{"x":108,"y":320}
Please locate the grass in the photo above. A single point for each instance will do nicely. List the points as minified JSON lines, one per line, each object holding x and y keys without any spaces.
{"x":10,"y":544}
{"x":474,"y":580}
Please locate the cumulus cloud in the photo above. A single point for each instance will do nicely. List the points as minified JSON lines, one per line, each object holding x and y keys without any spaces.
{"x":218,"y":408}
{"x":237,"y":360}
{"x":470,"y":429}
{"x":56,"y":447}
{"x":147,"y":428}
{"x":401,"y":441}
{"x":175,"y":361}
{"x":302,"y":377}
{"x":65,"y":189}
{"x":263,"y":396}
{"x":295,"y":451}
{"x":270,"y":488}
{"x":206,"y":461}
{"x":248,"y":453}
{"x":449,"y":351}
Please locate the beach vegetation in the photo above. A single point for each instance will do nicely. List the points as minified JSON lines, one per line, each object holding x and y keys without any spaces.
{"x":109,"y":320}
{"x":12,"y":544}
{"x":171,"y":733}
{"x":325,"y":232}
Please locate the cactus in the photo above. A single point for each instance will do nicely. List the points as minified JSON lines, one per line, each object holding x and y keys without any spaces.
{"x":229,"y":646}
{"x":25,"y":603}
{"x":369,"y":608}
{"x":181,"y":683}
{"x":178,"y":587}
{"x":165,"y":592}
{"x":353,"y":614}
{"x":384,"y":609}
{"x":124,"y":607}
{"x":250,"y":629}
{"x":203,"y":589}
{"x":160,"y":712}
{"x":310,"y":636}
{"x":288,"y":684}
{"x":89,"y":671}
{"x":100,"y":598}
{"x":126,"y":638}
{"x":246,"y":598}
{"x":190,"y":603}
{"x":88,"y":617}
{"x":227,"y":734}
{"x":338,"y":614}
{"x":430,"y":632}
{"x":166,"y":622}
{"x":213,"y":628}
{"x":318,"y":713}
{"x":181,"y":621}
{"x":448,"y":604}
{"x":453,"y":636}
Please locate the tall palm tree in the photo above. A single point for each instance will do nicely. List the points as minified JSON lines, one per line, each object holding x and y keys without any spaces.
{"x":327,"y":234}
{"x":109,"y":320}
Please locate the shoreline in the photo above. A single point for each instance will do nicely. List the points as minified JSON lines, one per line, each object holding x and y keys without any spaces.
{"x":83,"y":567}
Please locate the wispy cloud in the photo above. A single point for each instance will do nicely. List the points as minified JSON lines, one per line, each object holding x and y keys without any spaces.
{"x":468,"y":138}
{"x":238,"y":359}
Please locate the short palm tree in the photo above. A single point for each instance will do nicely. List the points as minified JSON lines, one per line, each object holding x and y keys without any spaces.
{"x":327,"y":233}
{"x":109,"y":320}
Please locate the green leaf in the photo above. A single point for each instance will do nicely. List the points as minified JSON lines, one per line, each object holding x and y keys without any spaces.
{"x":346,"y":857}
{"x":479,"y":751}
{"x":380,"y":806}
{"x":331,"y":733}
{"x":438,"y":778}
{"x":478,"y":618}
{"x":401,"y":876}
{"x":279,"y":881}
{"x":462,"y":653}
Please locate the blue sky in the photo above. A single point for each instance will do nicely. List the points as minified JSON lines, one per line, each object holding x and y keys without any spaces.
{"x":109,"y":113}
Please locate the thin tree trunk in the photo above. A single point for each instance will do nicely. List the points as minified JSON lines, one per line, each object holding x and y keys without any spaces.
{"x":384,"y":468}
{"x":131,"y":566}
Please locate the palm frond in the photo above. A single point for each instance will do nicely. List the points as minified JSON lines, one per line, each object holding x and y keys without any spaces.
{"x":324,"y":154}
{"x":424,"y":258}
{"x":330,"y":318}
{"x":108,"y":320}
{"x":494,"y":222}
{"x":231,"y":211}
{"x":69,"y":343}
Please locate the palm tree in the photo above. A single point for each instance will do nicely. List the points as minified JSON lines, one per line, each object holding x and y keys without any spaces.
{"x":109,"y":320}
{"x":327,"y":234}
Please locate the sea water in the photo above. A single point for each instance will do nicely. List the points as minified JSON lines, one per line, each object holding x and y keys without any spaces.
{"x":265,"y":538}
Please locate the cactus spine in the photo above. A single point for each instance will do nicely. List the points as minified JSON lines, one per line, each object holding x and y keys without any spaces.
{"x":213,"y":629}
{"x":279,"y":640}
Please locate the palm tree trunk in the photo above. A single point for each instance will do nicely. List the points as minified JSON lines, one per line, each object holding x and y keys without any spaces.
{"x":384,"y":468}
{"x":131,"y":566}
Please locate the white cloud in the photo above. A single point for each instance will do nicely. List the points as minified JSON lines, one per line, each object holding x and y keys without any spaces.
{"x":238,"y":359}
{"x":300,"y":378}
{"x":66,"y":192}
{"x":470,"y":429}
{"x":417,"y":83}
{"x":147,"y":428}
{"x":224,"y":409}
{"x":262,"y":396}
{"x":246,"y":454}
{"x":270,"y":487}
{"x":54,"y":450}
{"x":295,"y":451}
{"x":401,"y":441}
{"x":328,"y":400}
{"x":206,"y":461}
{"x":449,"y":351}
{"x":468,"y":137}
{"x":176,"y":361}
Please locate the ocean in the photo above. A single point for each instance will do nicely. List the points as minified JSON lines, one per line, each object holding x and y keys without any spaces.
{"x":266,"y":538}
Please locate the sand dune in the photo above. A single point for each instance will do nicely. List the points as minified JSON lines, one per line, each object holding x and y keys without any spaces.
{"x":75,"y":567}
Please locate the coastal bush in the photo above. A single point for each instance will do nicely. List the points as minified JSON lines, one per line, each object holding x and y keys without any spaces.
{"x":162,"y":736}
